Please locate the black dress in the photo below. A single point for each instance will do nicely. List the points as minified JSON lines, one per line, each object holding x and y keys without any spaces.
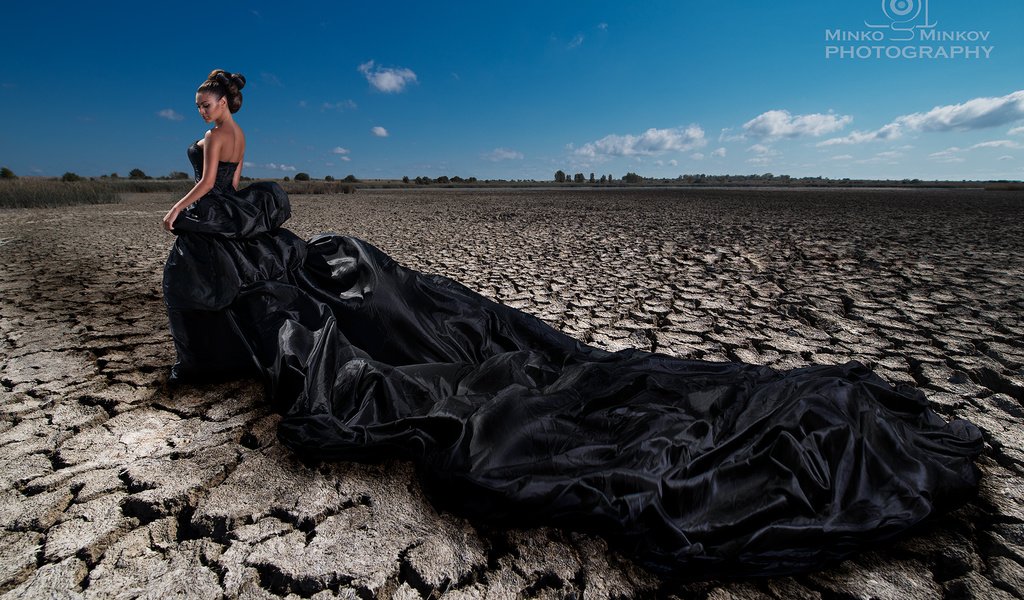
{"x":696,"y":469}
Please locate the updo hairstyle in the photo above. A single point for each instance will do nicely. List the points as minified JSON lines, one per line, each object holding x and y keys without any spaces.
{"x":222,"y":84}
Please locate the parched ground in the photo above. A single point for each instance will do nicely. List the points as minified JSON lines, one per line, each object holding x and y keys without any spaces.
{"x":113,"y":486}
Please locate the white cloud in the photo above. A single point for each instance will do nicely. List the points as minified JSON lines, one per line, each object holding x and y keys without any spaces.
{"x":170,"y":114}
{"x":998,"y":144}
{"x":341,"y":105}
{"x":346,"y":158}
{"x":340,"y":150}
{"x":889,"y":131}
{"x":695,"y":156}
{"x":725,"y":136}
{"x":762,"y":150}
{"x":1016,"y":131}
{"x":270,"y":79}
{"x":719,"y":153}
{"x":1005,"y":157}
{"x":502,"y":154}
{"x":779,"y":123}
{"x":977,"y":113}
{"x":889,"y":154}
{"x":379,"y":131}
{"x":303,"y":104}
{"x":949,"y":155}
{"x":576,"y":41}
{"x":842,"y":157}
{"x":649,"y":143}
{"x":277,"y":167}
{"x":759,"y":160}
{"x":387,"y":79}
{"x":602,"y":26}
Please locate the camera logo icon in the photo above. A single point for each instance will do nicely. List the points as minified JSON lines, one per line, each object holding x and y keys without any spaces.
{"x":905,"y":17}
{"x":901,"y":10}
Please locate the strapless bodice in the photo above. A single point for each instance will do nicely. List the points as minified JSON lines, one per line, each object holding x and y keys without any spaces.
{"x":225,"y":169}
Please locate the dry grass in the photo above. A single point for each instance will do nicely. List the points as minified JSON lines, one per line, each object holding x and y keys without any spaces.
{"x":315,"y":187}
{"x":37,"y":193}
{"x":1005,"y":186}
{"x":42,"y":193}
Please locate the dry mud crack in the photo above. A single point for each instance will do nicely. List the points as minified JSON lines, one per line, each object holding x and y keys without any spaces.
{"x":112,"y":486}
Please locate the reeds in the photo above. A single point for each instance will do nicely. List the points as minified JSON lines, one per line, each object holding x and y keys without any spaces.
{"x":317,"y":187}
{"x":37,"y":193}
{"x":25,"y":192}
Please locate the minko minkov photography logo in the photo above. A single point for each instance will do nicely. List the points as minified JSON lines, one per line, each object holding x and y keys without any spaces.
{"x":906,"y":30}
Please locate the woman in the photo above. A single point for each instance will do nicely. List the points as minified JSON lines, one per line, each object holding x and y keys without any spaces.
{"x":202,"y":276}
{"x":225,"y":141}
{"x":697,"y":469}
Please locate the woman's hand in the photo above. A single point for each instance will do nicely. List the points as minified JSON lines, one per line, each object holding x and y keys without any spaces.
{"x":170,"y":217}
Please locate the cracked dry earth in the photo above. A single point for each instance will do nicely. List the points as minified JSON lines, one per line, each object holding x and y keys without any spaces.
{"x":113,"y":486}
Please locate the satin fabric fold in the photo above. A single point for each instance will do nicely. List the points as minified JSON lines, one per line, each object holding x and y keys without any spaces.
{"x":696,"y":469}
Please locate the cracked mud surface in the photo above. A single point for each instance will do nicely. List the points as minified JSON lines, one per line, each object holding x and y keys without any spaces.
{"x":113,"y":486}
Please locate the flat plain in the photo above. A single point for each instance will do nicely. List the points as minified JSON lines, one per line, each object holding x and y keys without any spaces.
{"x":114,"y":485}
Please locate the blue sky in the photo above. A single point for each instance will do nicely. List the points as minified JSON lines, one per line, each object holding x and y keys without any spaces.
{"x":521,"y":89}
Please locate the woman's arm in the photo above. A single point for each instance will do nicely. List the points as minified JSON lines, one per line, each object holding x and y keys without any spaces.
{"x":211,"y":155}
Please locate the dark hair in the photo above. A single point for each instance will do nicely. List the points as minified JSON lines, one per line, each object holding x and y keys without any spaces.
{"x":222,"y":83}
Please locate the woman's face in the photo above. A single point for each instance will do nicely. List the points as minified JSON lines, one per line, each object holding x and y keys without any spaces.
{"x":210,"y":106}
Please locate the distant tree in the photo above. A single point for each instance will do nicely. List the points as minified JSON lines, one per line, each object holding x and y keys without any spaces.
{"x":604,"y":178}
{"x":457,"y":179}
{"x":422,"y":180}
{"x":632,"y":178}
{"x":350,"y":178}
{"x":328,"y":178}
{"x":286,"y":178}
{"x":69,"y":176}
{"x":177,"y":175}
{"x":136,"y":174}
{"x":115,"y":176}
{"x":471,"y":180}
{"x":302,"y":176}
{"x":592,"y":180}
{"x":405,"y":179}
{"x":559,"y":176}
{"x":442,"y":179}
{"x":579,"y":178}
{"x":6,"y":173}
{"x":610,"y":178}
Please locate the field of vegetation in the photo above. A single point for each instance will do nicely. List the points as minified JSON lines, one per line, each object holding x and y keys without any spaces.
{"x":71,"y":188}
